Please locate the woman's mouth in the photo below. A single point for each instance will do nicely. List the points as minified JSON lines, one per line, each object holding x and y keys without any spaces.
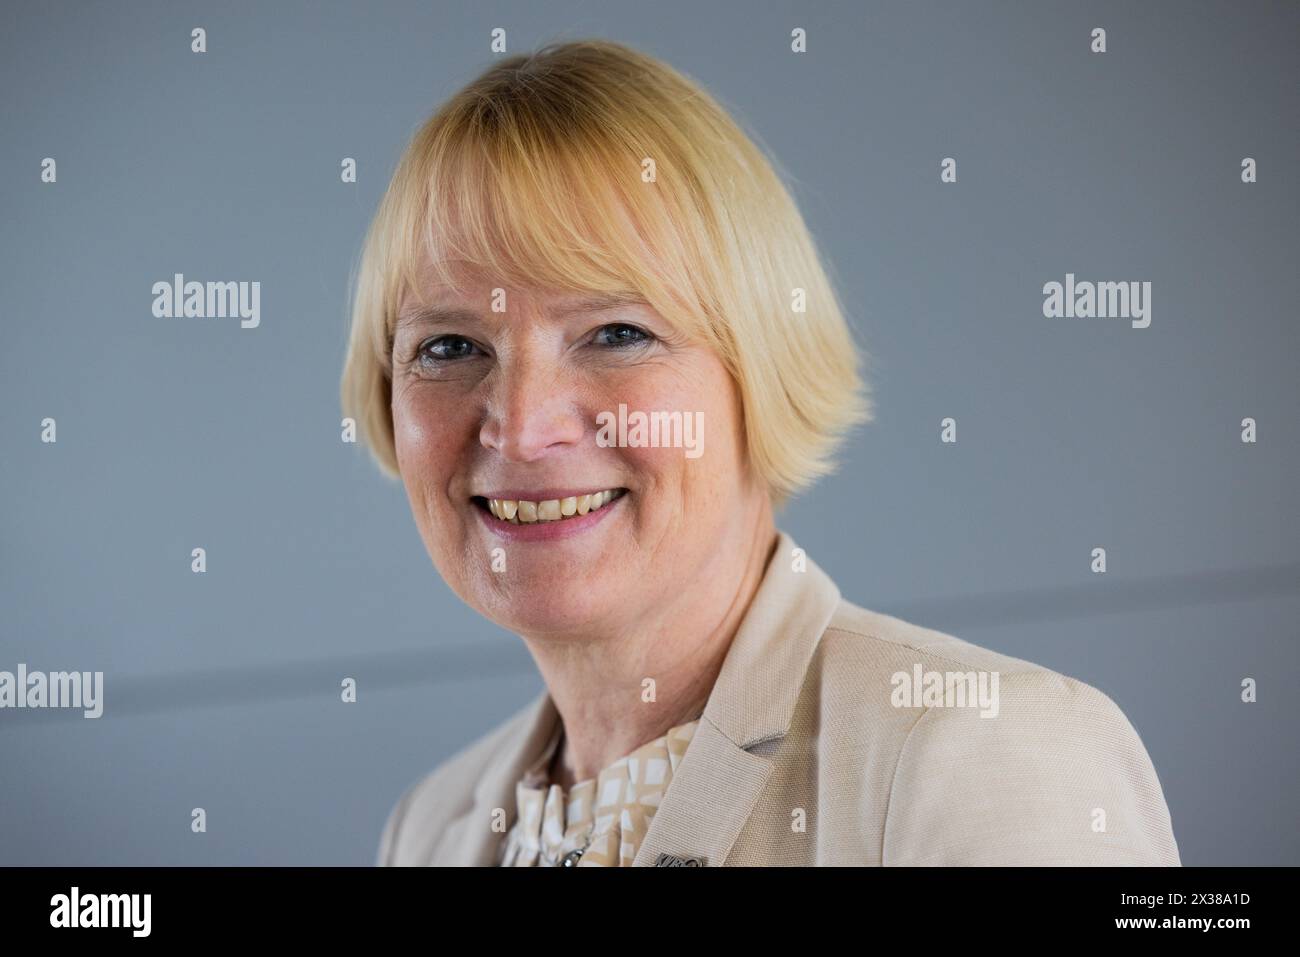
{"x":547,"y":518}
{"x":537,"y":511}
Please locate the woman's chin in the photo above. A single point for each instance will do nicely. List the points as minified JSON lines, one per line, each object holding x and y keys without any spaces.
{"x":552,"y":610}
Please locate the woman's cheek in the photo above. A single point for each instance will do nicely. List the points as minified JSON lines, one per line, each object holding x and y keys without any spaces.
{"x":423,"y":432}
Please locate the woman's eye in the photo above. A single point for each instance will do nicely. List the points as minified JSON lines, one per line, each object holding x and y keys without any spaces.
{"x":620,"y":335}
{"x":446,"y":348}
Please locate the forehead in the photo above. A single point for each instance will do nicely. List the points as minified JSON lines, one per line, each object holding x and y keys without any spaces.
{"x":464,"y":287}
{"x":556,"y":306}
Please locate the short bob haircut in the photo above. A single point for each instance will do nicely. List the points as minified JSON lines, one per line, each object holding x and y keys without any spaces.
{"x":590,"y":167}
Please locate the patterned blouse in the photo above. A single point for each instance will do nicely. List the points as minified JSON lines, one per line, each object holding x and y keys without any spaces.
{"x":602,"y":821}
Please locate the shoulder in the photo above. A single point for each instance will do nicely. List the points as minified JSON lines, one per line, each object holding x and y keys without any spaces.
{"x":996,"y":760}
{"x":420,"y":817}
{"x":853,"y":628}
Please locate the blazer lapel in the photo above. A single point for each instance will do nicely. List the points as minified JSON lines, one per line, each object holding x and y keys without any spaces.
{"x":710,"y":798}
{"x":718,"y":782}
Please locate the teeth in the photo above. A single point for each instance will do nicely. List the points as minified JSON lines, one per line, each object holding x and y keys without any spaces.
{"x":550,"y":510}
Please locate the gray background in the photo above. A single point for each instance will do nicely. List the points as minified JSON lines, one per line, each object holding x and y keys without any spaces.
{"x":222,"y":689}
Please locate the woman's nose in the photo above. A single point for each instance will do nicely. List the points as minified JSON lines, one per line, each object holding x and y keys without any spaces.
{"x":532,"y":409}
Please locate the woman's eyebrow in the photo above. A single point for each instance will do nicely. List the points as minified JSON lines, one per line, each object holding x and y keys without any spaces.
{"x":453,"y":315}
{"x":434,"y":315}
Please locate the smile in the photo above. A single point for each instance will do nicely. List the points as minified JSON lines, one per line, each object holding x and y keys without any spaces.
{"x":527,"y":512}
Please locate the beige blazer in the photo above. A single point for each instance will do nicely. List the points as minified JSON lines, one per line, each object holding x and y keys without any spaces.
{"x":810,"y":753}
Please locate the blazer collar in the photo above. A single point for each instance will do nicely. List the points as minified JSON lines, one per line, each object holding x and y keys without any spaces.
{"x":718,"y":781}
{"x":755,"y":694}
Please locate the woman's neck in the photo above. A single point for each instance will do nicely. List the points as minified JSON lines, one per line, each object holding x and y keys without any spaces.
{"x":615,"y":694}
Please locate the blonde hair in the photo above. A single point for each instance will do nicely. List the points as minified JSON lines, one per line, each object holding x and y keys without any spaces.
{"x":537,"y":172}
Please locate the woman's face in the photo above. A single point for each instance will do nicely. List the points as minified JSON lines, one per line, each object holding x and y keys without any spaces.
{"x":504,"y":406}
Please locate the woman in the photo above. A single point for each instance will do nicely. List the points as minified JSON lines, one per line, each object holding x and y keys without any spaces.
{"x":593,"y":338}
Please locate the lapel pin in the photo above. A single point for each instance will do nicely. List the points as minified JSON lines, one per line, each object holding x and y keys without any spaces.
{"x":674,"y":860}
